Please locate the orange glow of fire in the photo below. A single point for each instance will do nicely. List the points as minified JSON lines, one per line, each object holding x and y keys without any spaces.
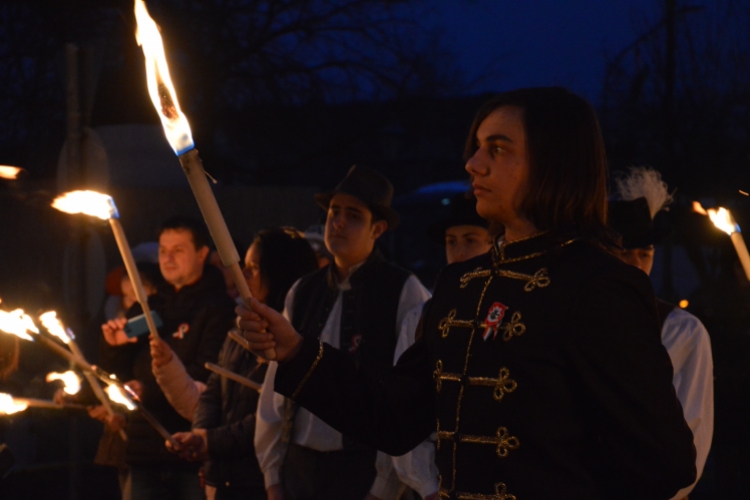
{"x":86,"y":202}
{"x":8,"y":405}
{"x":721,"y":217}
{"x":160,"y":88}
{"x":118,"y":396}
{"x":71,"y":382}
{"x":17,"y":323}
{"x":8,"y":172}
{"x":52,"y":324}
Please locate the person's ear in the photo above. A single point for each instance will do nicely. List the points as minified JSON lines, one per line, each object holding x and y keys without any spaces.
{"x":203,"y":254}
{"x":378,"y":228}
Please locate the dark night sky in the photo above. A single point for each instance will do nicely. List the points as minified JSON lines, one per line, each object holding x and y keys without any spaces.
{"x":541,"y":42}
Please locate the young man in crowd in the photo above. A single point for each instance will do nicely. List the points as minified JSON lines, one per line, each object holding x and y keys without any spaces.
{"x":196,"y":313}
{"x":539,"y":366}
{"x":640,"y":196}
{"x":355,"y":304}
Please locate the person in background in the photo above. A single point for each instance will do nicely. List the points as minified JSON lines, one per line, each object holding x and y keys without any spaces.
{"x":639,"y":197}
{"x":196,"y":313}
{"x":356,"y":303}
{"x":314,"y":235}
{"x":223,"y":415}
{"x":465,"y":235}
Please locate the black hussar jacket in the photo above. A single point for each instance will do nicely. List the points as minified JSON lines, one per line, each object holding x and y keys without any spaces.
{"x":540,"y":367}
{"x":195,"y":323}
{"x":226,"y":409}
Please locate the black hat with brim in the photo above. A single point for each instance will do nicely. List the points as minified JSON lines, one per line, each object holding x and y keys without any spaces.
{"x":368,"y":186}
{"x":462,"y":212}
{"x":631,"y":219}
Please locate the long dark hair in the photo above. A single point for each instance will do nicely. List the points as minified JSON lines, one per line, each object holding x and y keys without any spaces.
{"x":568,"y":164}
{"x":285,"y":256}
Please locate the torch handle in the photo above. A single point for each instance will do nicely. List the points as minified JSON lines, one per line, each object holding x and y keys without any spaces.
{"x":41,"y":403}
{"x":133,"y":274}
{"x":156,"y":425}
{"x":193,"y":167}
{"x":739,"y":245}
{"x":233,"y":376}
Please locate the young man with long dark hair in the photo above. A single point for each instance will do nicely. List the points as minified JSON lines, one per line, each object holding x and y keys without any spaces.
{"x":540,"y":364}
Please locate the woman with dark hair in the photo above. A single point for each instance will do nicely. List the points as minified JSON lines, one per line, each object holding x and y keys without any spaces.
{"x":540,"y":365}
{"x":223,"y":415}
{"x":275,"y":260}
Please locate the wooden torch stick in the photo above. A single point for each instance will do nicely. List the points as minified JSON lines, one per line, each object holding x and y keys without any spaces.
{"x":41,"y":403}
{"x":132,"y":269}
{"x":741,"y":249}
{"x":233,"y":376}
{"x":94,"y":383}
{"x":193,"y":167}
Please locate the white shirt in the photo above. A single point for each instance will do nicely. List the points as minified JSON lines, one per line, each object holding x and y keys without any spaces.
{"x":417,"y":468}
{"x":689,"y":348}
{"x":309,"y":430}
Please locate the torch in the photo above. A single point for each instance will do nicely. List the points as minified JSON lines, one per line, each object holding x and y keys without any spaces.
{"x":52,"y":324}
{"x":233,"y":376}
{"x":20,"y":324}
{"x":9,"y":172}
{"x":723,"y":220}
{"x":10,"y":404}
{"x":179,"y":135}
{"x":103,"y":206}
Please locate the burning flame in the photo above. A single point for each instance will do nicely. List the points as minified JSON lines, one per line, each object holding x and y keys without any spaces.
{"x":118,"y":396}
{"x":176,"y":126}
{"x":8,"y":405}
{"x":72,"y":384}
{"x":52,"y":324}
{"x":721,"y":217}
{"x":17,"y":323}
{"x":8,"y":172}
{"x":86,"y":202}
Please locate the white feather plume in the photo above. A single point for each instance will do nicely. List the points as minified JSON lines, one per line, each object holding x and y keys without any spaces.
{"x":644,"y":182}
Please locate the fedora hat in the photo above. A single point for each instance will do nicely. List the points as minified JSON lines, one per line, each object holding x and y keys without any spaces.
{"x":369,"y":187}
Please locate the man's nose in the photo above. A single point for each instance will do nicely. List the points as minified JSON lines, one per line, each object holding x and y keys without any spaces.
{"x":475,"y":164}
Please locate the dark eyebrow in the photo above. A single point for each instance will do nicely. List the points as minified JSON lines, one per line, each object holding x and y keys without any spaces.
{"x":498,"y":137}
{"x":347,"y":209}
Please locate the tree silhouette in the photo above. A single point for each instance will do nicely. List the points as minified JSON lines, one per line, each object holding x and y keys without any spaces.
{"x":226,"y":57}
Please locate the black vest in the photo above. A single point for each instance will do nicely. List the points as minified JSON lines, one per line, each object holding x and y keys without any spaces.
{"x":368,"y":315}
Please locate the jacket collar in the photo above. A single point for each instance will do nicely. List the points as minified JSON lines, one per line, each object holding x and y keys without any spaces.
{"x":359,"y":275}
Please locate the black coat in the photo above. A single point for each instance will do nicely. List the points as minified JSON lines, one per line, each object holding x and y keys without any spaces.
{"x":570,"y":396}
{"x":226,"y":410}
{"x":203,"y":312}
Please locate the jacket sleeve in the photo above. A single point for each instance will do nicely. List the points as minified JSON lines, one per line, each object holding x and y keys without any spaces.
{"x":645,"y":448}
{"x":393,"y":414}
{"x":230,"y":441}
{"x":689,"y":348}
{"x":207,"y":414}
{"x":181,"y":391}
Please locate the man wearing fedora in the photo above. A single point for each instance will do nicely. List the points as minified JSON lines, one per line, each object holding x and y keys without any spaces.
{"x":356,"y":304}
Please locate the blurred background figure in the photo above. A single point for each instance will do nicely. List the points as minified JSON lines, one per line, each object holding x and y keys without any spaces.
{"x":315,"y":236}
{"x":639,"y":197}
{"x":223,"y":411}
{"x":196,"y":313}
